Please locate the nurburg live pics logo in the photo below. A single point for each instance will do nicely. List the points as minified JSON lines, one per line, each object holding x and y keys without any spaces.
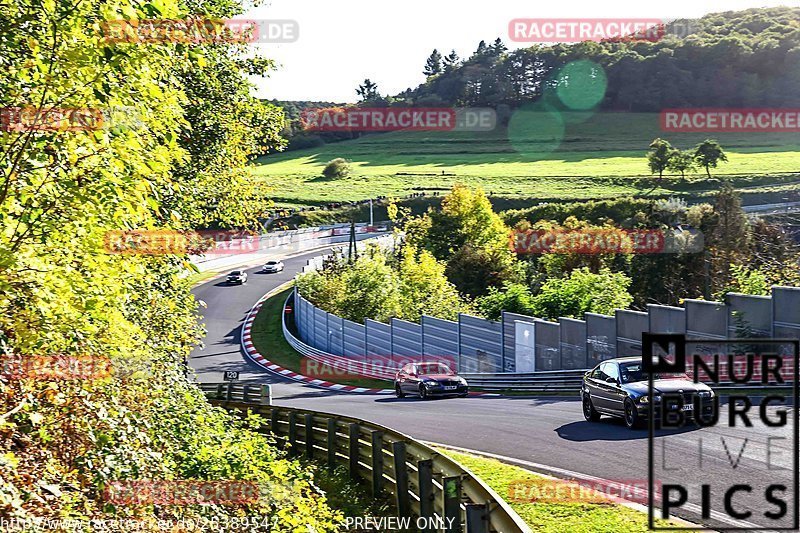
{"x":762,"y":369}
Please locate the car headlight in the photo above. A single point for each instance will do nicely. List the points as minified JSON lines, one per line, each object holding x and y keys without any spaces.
{"x":429,"y":383}
{"x":706,"y":394}
{"x":462,"y":380}
{"x":646,"y":399}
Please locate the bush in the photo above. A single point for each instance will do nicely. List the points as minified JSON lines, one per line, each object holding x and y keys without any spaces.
{"x":337,"y":168}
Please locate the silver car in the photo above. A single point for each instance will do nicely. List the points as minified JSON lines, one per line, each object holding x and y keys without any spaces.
{"x":272,"y":266}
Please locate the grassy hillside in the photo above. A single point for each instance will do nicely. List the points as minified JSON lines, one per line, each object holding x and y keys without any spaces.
{"x":540,"y":155}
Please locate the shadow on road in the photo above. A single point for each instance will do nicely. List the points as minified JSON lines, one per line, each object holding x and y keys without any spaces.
{"x":613,"y":429}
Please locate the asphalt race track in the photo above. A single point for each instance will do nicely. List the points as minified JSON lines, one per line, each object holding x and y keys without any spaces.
{"x":550,"y":432}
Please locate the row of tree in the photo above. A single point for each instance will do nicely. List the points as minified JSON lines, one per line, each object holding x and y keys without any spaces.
{"x":469,"y":265}
{"x":745,"y":58}
{"x":663,"y":156}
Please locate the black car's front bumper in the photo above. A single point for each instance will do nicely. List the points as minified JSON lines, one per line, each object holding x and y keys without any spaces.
{"x":706,"y":408}
{"x":440,"y":390}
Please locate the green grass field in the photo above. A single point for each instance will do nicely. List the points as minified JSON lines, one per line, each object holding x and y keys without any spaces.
{"x":555,"y":516}
{"x":536,"y":156}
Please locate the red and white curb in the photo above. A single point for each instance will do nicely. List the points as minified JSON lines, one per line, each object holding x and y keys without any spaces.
{"x":255,"y":356}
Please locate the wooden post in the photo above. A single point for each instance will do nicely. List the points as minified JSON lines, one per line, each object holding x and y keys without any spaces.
{"x":331,"y":443}
{"x":245,"y":389}
{"x":229,"y":394}
{"x":273,"y":421}
{"x":292,"y":432}
{"x":452,"y":504}
{"x":377,"y":463}
{"x":309,"y":435}
{"x":477,"y":518}
{"x":401,"y":478}
{"x":353,"y":450}
{"x":425,"y":469}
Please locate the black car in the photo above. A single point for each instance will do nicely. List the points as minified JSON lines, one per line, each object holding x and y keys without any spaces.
{"x":429,"y":379}
{"x":618,"y":387}
{"x":237,"y":276}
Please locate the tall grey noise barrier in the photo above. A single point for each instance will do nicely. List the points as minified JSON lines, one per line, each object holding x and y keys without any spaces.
{"x":601,"y":338}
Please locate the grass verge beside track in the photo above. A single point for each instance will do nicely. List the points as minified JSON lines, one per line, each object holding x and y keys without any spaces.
{"x":267,"y":335}
{"x":546,"y":517}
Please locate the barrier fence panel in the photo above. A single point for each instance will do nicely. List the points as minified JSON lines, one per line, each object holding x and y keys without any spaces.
{"x":666,"y":319}
{"x":548,"y":345}
{"x":525,"y":346}
{"x":320,"y":328}
{"x":573,"y":343}
{"x":335,"y":335}
{"x":630,"y":326}
{"x":307,"y":322}
{"x":706,"y":320}
{"x":510,"y":339}
{"x":749,"y":316}
{"x":379,"y":338}
{"x":406,"y":338}
{"x":786,"y":312}
{"x":439,"y":337}
{"x":354,"y":336}
{"x":601,"y":338}
{"x":480,"y":344}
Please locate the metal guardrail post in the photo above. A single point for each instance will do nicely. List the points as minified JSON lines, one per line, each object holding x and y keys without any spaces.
{"x":377,"y":463}
{"x":353,"y":450}
{"x":309,"y":418}
{"x":266,"y":395}
{"x":401,"y":478}
{"x":425,"y":470}
{"x":292,"y":432}
{"x":452,"y":504}
{"x":477,"y":518}
{"x":331,"y":438}
{"x":229,"y":393}
{"x":245,"y":390}
{"x":219,"y":391}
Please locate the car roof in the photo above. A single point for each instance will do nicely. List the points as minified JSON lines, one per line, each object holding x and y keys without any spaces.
{"x":627,"y":359}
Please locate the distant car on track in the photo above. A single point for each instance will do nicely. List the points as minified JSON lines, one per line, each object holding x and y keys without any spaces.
{"x":272,"y":266}
{"x":429,"y":379}
{"x":237,"y":276}
{"x":618,"y":387}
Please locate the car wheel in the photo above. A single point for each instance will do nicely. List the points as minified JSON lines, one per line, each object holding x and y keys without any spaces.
{"x":463,"y":395}
{"x":399,"y":392}
{"x":631,"y":414}
{"x":423,"y":392}
{"x":589,"y":412}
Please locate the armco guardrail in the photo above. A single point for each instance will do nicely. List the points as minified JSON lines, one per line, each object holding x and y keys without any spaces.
{"x":566,"y":381}
{"x":421,"y":481}
{"x":300,"y":239}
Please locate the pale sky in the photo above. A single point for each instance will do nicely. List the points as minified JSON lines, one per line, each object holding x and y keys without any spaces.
{"x":341,"y":42}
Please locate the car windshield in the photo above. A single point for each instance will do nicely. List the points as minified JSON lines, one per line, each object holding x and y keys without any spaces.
{"x":272,"y":263}
{"x":631,"y":372}
{"x":236,"y":273}
{"x":425,"y":369}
